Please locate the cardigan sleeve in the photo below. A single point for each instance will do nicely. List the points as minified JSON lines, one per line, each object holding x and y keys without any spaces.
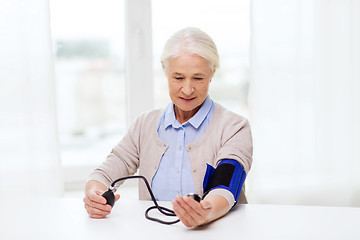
{"x":123,"y":159}
{"x":236,"y":141}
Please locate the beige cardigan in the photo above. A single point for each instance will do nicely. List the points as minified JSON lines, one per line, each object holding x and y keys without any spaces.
{"x":228,"y":136}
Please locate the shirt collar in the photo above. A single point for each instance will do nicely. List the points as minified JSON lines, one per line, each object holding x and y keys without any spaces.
{"x":195,"y":121}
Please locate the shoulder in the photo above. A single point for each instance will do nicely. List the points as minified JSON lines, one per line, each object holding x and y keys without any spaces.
{"x":148,"y":118}
{"x":152,"y":115}
{"x":226,"y":117}
{"x":234,"y":136}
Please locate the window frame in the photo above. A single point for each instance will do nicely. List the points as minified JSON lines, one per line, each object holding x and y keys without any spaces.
{"x":138,"y":77}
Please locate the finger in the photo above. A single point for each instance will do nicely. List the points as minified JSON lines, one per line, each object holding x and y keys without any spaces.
{"x":117,"y":197}
{"x":188,"y":213}
{"x":181,"y":213}
{"x":201,"y":210}
{"x":199,"y":215}
{"x":97,"y":216}
{"x":194,"y":205}
{"x":194,"y":209}
{"x":96,"y":197}
{"x":100,"y":206}
{"x":94,"y":210}
{"x":205,"y":204}
{"x":183,"y":207}
{"x":96,"y":213}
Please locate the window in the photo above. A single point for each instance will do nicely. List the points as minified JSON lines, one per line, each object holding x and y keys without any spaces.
{"x":88,"y":39}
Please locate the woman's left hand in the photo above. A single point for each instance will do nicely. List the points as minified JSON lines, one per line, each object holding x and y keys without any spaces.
{"x":192,"y":213}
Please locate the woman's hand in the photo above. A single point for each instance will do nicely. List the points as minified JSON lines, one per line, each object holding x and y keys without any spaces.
{"x":95,"y":204}
{"x":192,"y":213}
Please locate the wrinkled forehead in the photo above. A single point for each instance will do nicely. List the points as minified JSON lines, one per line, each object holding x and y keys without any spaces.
{"x":189,"y":63}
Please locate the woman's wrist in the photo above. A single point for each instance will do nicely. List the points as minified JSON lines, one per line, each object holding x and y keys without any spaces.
{"x":95,"y":185}
{"x":219,"y":206}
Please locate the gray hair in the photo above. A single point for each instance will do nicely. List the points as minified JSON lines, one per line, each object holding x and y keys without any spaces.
{"x":192,"y":41}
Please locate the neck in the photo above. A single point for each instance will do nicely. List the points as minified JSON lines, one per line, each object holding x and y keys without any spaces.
{"x":184,"y":116}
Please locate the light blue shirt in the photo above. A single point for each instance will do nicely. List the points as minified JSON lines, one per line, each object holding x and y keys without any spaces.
{"x":174,"y":174}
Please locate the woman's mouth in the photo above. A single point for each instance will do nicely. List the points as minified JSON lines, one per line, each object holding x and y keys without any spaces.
{"x":187,"y":99}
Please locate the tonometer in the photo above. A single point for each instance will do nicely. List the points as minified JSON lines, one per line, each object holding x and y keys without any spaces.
{"x":228,"y":175}
{"x":110,"y":198}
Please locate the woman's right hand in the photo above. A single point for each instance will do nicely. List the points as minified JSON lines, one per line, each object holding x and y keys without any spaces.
{"x":95,"y":204}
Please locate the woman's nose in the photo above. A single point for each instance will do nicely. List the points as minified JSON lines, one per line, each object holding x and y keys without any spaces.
{"x":187,"y":87}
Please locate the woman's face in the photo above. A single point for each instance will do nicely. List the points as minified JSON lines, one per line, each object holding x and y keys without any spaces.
{"x":189,"y":77}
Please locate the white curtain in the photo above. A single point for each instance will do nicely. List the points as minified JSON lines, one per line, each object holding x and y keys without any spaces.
{"x":29,"y":151}
{"x":305,"y":102}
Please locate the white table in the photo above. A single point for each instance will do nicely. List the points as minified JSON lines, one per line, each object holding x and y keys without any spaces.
{"x":65,"y":218}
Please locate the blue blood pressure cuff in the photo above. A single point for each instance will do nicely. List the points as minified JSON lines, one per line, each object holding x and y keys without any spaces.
{"x":228,"y":174}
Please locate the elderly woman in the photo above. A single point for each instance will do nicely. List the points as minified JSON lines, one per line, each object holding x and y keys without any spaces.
{"x":178,"y":148}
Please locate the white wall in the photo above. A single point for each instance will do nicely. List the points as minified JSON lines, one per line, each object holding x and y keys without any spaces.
{"x":305,"y":102}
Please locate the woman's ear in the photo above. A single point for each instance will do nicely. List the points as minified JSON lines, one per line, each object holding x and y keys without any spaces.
{"x":211,"y":77}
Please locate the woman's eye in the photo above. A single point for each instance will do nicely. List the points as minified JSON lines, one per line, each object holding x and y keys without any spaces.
{"x":179,"y":78}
